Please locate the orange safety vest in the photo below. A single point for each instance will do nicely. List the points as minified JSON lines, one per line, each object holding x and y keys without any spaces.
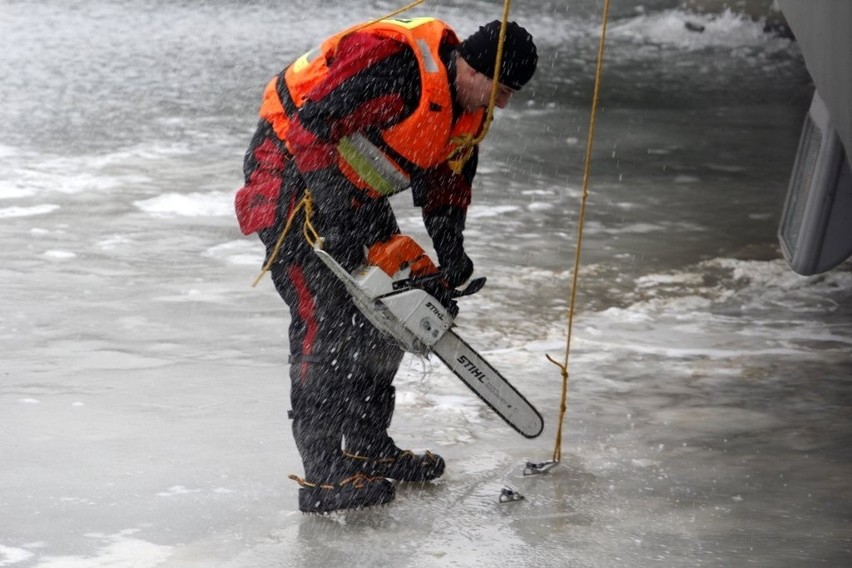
{"x":425,"y":138}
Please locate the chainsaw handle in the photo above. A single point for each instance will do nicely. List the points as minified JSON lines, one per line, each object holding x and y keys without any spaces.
{"x":473,"y":287}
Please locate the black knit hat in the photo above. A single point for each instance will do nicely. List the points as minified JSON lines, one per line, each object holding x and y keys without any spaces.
{"x":519,"y":53}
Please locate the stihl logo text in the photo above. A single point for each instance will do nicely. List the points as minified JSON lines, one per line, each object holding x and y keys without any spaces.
{"x":470,"y":366}
{"x":435,"y":310}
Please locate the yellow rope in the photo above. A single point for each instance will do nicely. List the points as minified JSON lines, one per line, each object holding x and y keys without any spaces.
{"x":308,"y":230}
{"x":405,"y":453}
{"x":465,"y":144}
{"x":557,"y":450}
{"x":391,"y":15}
{"x":359,"y":480}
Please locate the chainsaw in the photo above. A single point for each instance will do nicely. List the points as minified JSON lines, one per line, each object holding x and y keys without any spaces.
{"x":418,"y":313}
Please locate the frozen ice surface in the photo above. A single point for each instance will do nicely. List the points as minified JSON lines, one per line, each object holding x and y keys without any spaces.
{"x":149,"y":429}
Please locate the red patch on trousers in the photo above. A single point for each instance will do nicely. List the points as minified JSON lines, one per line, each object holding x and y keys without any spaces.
{"x":306,"y":311}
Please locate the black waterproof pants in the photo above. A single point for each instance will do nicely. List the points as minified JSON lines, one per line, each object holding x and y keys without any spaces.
{"x":341,"y":369}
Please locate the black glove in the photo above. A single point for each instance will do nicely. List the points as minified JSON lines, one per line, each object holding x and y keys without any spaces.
{"x":457,"y":272}
{"x":445,"y":228}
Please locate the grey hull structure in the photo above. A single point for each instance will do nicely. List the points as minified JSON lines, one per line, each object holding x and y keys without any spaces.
{"x":816,"y":226}
{"x":823,"y":29}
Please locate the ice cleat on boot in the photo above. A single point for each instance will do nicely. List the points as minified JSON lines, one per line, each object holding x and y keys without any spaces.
{"x":401,"y":465}
{"x":354,"y":492}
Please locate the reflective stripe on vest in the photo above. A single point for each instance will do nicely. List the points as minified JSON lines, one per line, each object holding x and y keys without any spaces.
{"x":372,"y":165}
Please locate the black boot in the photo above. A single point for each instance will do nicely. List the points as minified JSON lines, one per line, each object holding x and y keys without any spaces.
{"x":331,"y":483}
{"x":353,"y":492}
{"x":369,"y":449}
{"x":401,"y":465}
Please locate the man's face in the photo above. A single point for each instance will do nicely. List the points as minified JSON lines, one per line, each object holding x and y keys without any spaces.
{"x":474,"y":89}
